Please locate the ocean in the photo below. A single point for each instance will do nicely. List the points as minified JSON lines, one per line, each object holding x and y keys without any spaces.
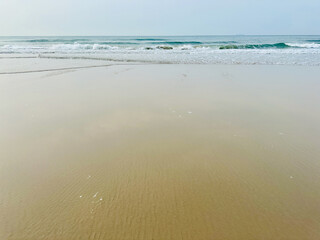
{"x":237,"y":49}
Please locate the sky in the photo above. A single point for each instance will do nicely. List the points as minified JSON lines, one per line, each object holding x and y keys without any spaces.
{"x":165,"y":17}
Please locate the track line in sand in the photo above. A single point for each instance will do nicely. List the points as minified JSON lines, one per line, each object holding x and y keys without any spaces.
{"x":65,"y":68}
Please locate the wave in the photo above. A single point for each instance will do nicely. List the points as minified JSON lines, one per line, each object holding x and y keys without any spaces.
{"x":149,"y":39}
{"x":158,"y":42}
{"x":221,"y":42}
{"x":256,"y":46}
{"x":113,"y":43}
{"x":301,"y":50}
{"x":138,"y":43}
{"x":47,"y":40}
{"x":36,"y":40}
{"x":192,"y":46}
{"x":304,"y":45}
{"x":178,"y":42}
{"x":314,"y":41}
{"x":121,"y":42}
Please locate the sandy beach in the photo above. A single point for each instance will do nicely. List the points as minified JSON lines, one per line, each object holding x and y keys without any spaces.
{"x":158,"y":151}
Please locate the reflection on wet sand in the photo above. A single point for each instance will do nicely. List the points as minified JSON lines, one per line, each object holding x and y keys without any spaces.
{"x":161,"y":152}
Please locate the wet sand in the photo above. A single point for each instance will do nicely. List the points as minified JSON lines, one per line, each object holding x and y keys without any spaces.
{"x":160,"y":152}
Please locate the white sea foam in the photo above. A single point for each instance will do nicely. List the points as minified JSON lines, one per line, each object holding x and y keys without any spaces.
{"x":304,"y":45}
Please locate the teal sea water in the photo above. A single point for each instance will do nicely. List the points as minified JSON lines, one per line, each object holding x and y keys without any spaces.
{"x":240,"y":49}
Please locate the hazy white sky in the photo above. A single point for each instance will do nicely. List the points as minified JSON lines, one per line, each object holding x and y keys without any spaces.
{"x":165,"y":17}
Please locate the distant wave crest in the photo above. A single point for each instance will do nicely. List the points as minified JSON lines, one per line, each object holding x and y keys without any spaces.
{"x":48,"y":40}
{"x":314,"y":41}
{"x":256,"y":46}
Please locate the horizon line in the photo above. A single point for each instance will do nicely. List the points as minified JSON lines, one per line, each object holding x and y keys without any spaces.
{"x":187,"y":35}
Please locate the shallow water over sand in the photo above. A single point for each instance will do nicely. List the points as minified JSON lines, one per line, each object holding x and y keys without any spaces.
{"x":161,"y":152}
